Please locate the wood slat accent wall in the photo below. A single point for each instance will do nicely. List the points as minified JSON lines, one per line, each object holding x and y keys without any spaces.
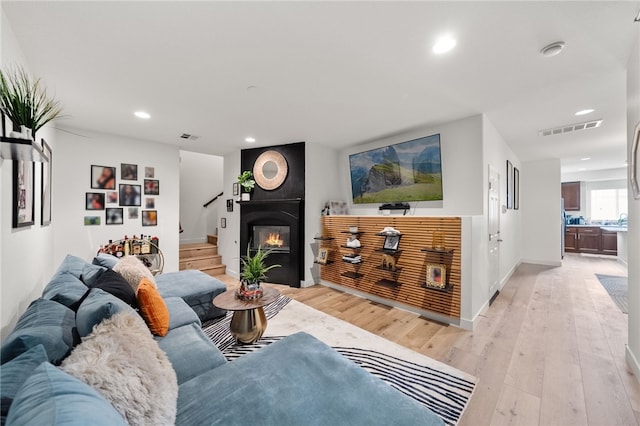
{"x":417,"y":233}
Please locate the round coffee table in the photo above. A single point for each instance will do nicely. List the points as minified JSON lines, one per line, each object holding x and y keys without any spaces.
{"x":248,"y":321}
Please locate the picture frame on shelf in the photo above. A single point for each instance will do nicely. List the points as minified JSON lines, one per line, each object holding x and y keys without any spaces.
{"x":128,"y":171}
{"x":323,"y":256}
{"x":23,"y":193}
{"x":150,"y":218}
{"x":436,"y":275}
{"x":391,"y":242}
{"x":103,"y":177}
{"x":94,"y":201}
{"x":634,"y":163}
{"x":115,"y":216}
{"x":45,"y":185}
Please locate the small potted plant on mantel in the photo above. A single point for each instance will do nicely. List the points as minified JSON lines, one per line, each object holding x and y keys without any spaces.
{"x":25,"y":103}
{"x":253,"y":273}
{"x":247,"y":183}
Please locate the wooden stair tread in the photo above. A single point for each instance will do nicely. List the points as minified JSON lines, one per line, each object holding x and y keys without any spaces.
{"x":192,"y":246}
{"x":203,"y":257}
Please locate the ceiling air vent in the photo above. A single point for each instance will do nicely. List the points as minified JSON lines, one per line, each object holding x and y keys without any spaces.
{"x":188,"y":137}
{"x":570,"y":128}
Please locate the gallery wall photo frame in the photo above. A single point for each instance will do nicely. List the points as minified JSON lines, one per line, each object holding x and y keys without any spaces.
{"x":94,"y":201}
{"x":509,"y":185}
{"x":115,"y":216}
{"x":103,"y":177}
{"x":45,"y":184}
{"x":151,"y":187}
{"x":128,"y":171}
{"x":130,"y":194}
{"x":634,"y":163}
{"x":149,"y":218}
{"x":23,"y":193}
{"x":516,"y":188}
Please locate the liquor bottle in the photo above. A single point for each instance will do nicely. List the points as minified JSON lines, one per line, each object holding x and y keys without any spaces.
{"x":155,"y":245}
{"x":137,"y":246}
{"x":127,"y":249}
{"x":120,"y":249}
{"x":146,"y":246}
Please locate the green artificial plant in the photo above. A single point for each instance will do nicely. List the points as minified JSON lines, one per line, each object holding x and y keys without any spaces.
{"x":253,"y":268}
{"x":25,"y":101}
{"x":246,"y":180}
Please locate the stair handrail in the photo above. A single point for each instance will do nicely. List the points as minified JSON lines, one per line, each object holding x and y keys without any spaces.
{"x":205,"y":205}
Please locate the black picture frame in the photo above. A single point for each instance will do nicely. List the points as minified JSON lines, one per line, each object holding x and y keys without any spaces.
{"x":23,"y":193}
{"x":103,"y":177}
{"x":114,"y":216}
{"x":149,"y":217}
{"x":391,"y":243}
{"x":45,"y":184}
{"x":509,"y":185}
{"x":129,"y":195}
{"x":94,"y":201}
{"x":128,"y":171}
{"x":516,"y":188}
{"x":151,"y":187}
{"x":229,"y":205}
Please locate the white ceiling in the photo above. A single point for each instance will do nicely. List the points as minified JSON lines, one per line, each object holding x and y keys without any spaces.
{"x":335,"y":73}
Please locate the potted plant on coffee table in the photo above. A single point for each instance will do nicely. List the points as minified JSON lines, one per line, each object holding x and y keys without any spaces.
{"x":253,"y":273}
{"x":248,"y":183}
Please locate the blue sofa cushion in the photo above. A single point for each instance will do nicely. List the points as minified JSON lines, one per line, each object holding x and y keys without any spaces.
{"x":44,"y":322}
{"x":196,"y":288}
{"x":296,"y":381}
{"x":65,"y":288}
{"x":97,"y":306}
{"x":190,"y":351}
{"x":115,"y":284}
{"x":180,"y":313}
{"x":15,"y":372}
{"x":80,"y":269}
{"x":52,"y":397}
{"x":105,"y":260}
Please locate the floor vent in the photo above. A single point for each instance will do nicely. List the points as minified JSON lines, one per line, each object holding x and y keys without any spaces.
{"x":187,"y":136}
{"x":570,"y":128}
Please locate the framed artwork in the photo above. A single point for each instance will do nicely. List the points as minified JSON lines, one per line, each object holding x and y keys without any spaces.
{"x":91,"y":220}
{"x":236,"y":188}
{"x":115,"y":215}
{"x":323,"y":256}
{"x":149,"y":203}
{"x":23,"y":193}
{"x":229,"y":205}
{"x":112,"y":197}
{"x":103,"y":177}
{"x":509,"y":185}
{"x":634,"y":162}
{"x":149,"y":218}
{"x":516,"y":188}
{"x":133,"y":213}
{"x":130,"y":195}
{"x":223,"y":222}
{"x":391,"y":242}
{"x":149,"y":172}
{"x":128,"y":171}
{"x":151,"y":187}
{"x":45,"y":180}
{"x":436,"y":275}
{"x":94,"y":201}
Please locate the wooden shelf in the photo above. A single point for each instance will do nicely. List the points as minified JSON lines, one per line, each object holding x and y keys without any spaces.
{"x":383,"y":234}
{"x":445,"y":289}
{"x":323,"y":238}
{"x":352,"y":263}
{"x":352,"y":233}
{"x":352,"y":248}
{"x":438,"y":251}
{"x":397,"y":271}
{"x":388,"y":283}
{"x":387,"y":251}
{"x":21,"y":149}
{"x":352,"y":275}
{"x":328,"y":262}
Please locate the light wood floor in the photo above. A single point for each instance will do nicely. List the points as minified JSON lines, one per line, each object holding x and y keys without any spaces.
{"x":549,"y":351}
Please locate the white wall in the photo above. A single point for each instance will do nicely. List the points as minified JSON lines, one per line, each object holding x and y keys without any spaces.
{"x":74,"y":156}
{"x":200,"y":181}
{"x":633,"y":119}
{"x":25,"y":253}
{"x":541,"y":215}
{"x":229,"y":237}
{"x":462,"y":172}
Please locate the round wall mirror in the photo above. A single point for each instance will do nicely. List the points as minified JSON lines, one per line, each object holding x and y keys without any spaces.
{"x":270,"y":170}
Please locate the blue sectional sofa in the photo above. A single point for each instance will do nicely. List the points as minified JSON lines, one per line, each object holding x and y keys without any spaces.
{"x":298,"y":380}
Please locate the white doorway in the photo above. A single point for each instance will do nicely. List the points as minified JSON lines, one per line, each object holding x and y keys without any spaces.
{"x":494,"y":231}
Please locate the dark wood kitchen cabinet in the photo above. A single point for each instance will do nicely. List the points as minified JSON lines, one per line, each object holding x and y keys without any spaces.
{"x":584,"y":239}
{"x":571,"y":195}
{"x":571,"y":240}
{"x":609,"y":242}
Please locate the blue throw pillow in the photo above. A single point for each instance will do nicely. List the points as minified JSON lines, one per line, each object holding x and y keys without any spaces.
{"x":115,"y":284}
{"x":51,"y":396}
{"x":97,"y":306}
{"x":105,"y":260}
{"x":80,"y":269}
{"x":15,"y":372}
{"x":65,"y":288}
{"x":44,"y":322}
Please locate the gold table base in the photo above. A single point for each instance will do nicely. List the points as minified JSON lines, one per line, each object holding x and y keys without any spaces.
{"x":247,"y":326}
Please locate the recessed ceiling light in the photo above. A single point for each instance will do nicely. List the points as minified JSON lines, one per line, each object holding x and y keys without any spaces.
{"x":250,"y":140}
{"x":552,"y":49}
{"x":584,"y":112}
{"x":585,"y":158}
{"x":142,"y":114}
{"x":444,"y":44}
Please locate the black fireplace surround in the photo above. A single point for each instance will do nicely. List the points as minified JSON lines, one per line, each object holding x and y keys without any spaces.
{"x":281,"y":209}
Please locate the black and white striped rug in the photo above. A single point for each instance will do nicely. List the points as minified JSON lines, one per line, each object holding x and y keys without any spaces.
{"x":443,"y":389}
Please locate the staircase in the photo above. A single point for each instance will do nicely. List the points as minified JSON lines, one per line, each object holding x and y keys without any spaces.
{"x":202,"y":256}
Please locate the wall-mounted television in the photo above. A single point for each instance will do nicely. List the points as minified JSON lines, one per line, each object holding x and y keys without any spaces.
{"x":403,"y":172}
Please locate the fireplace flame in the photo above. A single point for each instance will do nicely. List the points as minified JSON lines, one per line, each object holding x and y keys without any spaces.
{"x":273,"y":240}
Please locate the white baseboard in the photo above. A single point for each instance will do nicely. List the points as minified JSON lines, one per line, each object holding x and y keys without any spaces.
{"x":632,"y":362}
{"x":542,"y":262}
{"x":509,"y":274}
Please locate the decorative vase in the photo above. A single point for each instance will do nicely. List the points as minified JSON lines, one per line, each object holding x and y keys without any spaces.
{"x":249,"y":291}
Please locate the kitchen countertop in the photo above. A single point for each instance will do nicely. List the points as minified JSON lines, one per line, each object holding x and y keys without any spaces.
{"x":611,"y":228}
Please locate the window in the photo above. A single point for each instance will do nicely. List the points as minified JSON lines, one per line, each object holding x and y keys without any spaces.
{"x":607,"y":204}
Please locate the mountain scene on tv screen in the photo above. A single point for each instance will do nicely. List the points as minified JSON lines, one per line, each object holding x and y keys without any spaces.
{"x":408,"y":171}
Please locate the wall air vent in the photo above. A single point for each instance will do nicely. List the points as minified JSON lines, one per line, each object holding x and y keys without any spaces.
{"x":570,"y":128}
{"x":188,"y":137}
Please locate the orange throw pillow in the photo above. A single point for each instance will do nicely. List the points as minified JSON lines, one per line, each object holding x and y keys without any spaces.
{"x":152,"y":307}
